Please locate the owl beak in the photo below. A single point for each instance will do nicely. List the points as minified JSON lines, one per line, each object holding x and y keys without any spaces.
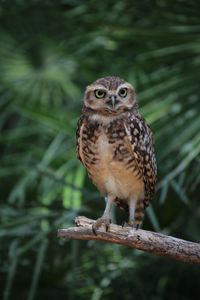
{"x":113,"y":100}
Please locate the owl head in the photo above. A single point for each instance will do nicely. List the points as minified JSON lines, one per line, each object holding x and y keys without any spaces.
{"x":110,"y":95}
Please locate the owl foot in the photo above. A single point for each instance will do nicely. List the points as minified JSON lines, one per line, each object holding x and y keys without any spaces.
{"x":99,"y":222}
{"x":132,"y":224}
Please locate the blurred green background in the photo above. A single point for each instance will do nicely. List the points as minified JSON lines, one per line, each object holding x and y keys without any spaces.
{"x":49,"y":52}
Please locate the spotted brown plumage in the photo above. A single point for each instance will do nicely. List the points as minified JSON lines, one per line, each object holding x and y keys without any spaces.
{"x":115,"y":145}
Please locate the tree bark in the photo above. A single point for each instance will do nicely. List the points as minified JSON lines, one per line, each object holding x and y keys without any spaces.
{"x":148,"y":241}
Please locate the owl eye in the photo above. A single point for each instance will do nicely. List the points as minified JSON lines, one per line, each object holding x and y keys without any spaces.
{"x":123,"y":92}
{"x":100,"y":93}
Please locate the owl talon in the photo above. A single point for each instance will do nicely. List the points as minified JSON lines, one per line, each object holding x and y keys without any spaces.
{"x":132,"y":224}
{"x":124,"y":224}
{"x":98,"y":223}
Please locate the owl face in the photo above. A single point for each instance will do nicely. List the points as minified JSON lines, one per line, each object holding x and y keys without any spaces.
{"x":110,"y":95}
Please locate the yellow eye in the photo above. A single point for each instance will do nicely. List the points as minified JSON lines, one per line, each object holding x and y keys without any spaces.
{"x":123,"y":92}
{"x":99,"y":93}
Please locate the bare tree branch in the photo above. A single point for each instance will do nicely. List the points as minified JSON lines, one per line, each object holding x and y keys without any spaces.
{"x":148,"y":241}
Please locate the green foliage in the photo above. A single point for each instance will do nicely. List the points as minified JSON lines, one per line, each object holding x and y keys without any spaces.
{"x":49,"y":52}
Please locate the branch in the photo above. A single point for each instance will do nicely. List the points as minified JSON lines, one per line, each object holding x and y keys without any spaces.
{"x":148,"y":241}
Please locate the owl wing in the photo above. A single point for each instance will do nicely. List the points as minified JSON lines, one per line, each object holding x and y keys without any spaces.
{"x":141,"y":140}
{"x":79,"y":129}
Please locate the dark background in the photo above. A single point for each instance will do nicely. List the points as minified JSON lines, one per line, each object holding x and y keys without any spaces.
{"x":49,"y":52}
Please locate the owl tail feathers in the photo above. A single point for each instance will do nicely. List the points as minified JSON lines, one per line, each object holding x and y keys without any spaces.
{"x":122,"y":204}
{"x":146,"y":202}
{"x":139,"y":213}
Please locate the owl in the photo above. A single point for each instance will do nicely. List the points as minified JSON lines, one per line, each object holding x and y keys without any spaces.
{"x":115,"y":145}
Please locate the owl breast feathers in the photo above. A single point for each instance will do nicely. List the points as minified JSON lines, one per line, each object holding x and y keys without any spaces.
{"x":115,"y":145}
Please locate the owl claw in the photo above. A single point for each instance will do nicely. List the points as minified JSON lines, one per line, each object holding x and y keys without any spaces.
{"x":132,"y":224}
{"x":99,"y":222}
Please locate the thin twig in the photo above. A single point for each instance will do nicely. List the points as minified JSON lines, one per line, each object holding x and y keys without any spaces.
{"x":148,"y":241}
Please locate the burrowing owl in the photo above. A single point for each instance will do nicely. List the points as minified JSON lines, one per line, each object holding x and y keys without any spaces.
{"x":115,"y":145}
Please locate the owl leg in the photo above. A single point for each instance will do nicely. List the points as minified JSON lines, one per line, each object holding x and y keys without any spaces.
{"x":105,"y":219}
{"x":136,"y":213}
